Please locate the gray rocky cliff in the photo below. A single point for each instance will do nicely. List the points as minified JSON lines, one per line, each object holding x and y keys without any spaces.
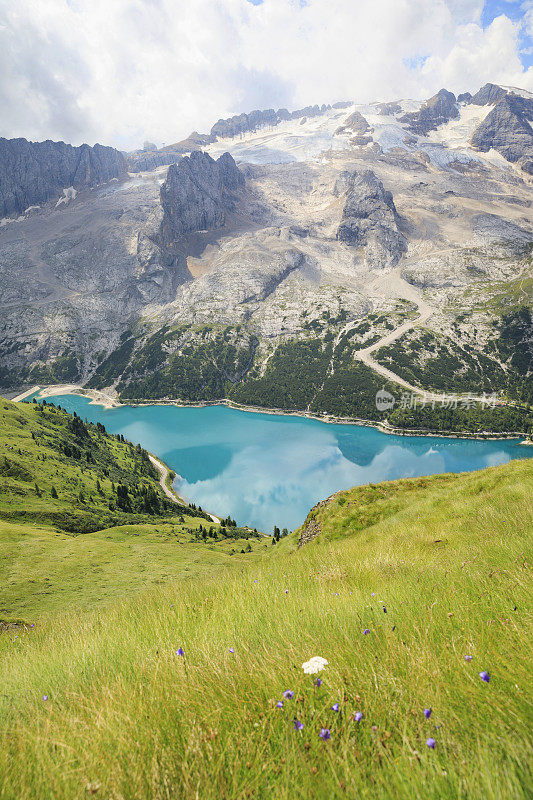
{"x":196,"y":197}
{"x":507,"y":129}
{"x":436,"y":111}
{"x":488,"y":95}
{"x":243,"y":123}
{"x":33,"y":172}
{"x":369,"y":220}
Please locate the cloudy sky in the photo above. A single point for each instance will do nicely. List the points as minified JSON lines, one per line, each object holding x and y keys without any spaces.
{"x":121,"y":71}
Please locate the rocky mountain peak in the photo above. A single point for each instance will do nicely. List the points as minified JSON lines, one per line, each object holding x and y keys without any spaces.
{"x":436,"y":111}
{"x":488,"y":95}
{"x":369,"y":220}
{"x":507,"y":129}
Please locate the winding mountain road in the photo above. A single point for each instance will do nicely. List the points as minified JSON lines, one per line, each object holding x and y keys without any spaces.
{"x":170,"y":493}
{"x":391,"y":284}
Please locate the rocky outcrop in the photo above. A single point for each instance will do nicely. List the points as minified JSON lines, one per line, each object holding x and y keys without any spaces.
{"x":388,"y":109}
{"x":33,"y":172}
{"x":436,"y":111}
{"x":243,"y":123}
{"x":369,"y":220}
{"x":196,"y":196}
{"x":145,"y":160}
{"x":465,"y":97}
{"x":354,"y":124}
{"x":488,"y":95}
{"x":507,"y":129}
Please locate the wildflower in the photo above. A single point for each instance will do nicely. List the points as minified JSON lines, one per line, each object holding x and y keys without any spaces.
{"x":279,"y":704}
{"x":298,"y":726}
{"x":384,"y":610}
{"x":288,"y":694}
{"x":484,"y":676}
{"x":286,"y":591}
{"x":431,"y":743}
{"x":318,"y":682}
{"x":325,"y":733}
{"x":180,"y":651}
{"x":358,"y":716}
{"x":45,"y":697}
{"x":366,"y":630}
{"x":32,"y":625}
{"x":314,"y":665}
{"x":232,"y":649}
{"x":427,"y":712}
{"x":373,"y":594}
{"x":468,"y":658}
{"x":335,"y":707}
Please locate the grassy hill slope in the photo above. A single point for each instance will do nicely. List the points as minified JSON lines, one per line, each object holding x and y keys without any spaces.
{"x":83,"y":518}
{"x":404,"y":581}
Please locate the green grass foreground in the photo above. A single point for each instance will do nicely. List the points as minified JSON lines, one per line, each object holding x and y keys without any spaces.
{"x":434,"y":569}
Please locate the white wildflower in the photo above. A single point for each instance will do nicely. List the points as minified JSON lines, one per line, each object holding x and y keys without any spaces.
{"x":314,"y":665}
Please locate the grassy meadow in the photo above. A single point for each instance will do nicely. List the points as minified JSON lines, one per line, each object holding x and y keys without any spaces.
{"x":404,"y":581}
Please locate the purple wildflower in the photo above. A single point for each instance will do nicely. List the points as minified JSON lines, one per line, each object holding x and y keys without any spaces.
{"x":366,"y":630}
{"x":484,"y":676}
{"x":288,"y":694}
{"x":180,"y":651}
{"x":431,"y":743}
{"x":427,"y":712}
{"x":384,"y":610}
{"x":286,"y":591}
{"x":279,"y":704}
{"x":232,"y":649}
{"x":298,"y":725}
{"x":335,"y":707}
{"x":32,"y":625}
{"x":373,"y":594}
{"x":358,"y":716}
{"x":325,"y":733}
{"x":318,"y":682}
{"x":45,"y":697}
{"x":468,"y":658}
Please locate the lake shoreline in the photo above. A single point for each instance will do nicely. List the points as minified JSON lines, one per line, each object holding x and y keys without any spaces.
{"x":98,"y":397}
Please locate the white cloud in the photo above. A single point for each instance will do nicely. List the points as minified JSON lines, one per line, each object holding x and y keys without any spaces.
{"x":121,"y":71}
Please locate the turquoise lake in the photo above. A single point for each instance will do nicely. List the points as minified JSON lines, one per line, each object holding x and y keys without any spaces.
{"x":265,"y":470}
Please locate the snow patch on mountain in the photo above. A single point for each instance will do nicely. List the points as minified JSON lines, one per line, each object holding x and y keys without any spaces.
{"x":303,"y":139}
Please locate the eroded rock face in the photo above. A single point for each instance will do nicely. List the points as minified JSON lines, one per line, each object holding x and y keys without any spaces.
{"x":369,"y":220}
{"x":145,"y":160}
{"x":242,"y":123}
{"x":196,"y":196}
{"x":355,"y":123}
{"x":488,"y":95}
{"x":197,"y":193}
{"x":388,"y":109}
{"x":34,"y":172}
{"x":436,"y":111}
{"x":507,"y":129}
